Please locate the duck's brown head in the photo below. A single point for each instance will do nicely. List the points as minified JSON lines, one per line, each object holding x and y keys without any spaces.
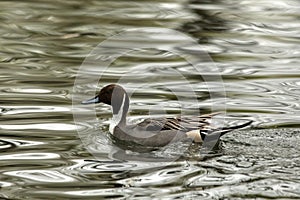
{"x":113,"y":95}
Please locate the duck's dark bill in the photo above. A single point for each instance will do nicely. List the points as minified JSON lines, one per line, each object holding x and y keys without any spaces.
{"x":93,"y":100}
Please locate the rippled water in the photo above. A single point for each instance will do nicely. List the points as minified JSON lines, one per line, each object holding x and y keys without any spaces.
{"x":255,"y":49}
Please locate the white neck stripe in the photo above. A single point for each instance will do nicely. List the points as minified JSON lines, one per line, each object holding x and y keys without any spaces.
{"x":116,"y":119}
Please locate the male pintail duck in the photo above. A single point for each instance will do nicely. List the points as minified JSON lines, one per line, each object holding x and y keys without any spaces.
{"x":154,"y":132}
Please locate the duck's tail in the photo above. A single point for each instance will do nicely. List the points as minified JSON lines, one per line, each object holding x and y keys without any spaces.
{"x":225,"y":130}
{"x":215,"y":134}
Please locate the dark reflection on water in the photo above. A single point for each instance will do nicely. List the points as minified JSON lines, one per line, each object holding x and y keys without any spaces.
{"x":255,"y":46}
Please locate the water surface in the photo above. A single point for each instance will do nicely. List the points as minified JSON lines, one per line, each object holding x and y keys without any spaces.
{"x":255,"y":47}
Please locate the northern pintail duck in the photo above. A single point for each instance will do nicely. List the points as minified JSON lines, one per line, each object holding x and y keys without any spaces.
{"x":155,"y":132}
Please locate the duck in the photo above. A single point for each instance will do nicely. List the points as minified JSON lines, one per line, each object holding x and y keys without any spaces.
{"x":156,"y":132}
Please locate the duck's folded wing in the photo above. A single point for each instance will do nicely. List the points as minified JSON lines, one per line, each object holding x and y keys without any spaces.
{"x":177,"y":123}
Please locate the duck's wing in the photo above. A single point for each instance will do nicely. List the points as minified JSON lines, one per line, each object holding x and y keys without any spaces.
{"x":177,"y":123}
{"x":161,"y":131}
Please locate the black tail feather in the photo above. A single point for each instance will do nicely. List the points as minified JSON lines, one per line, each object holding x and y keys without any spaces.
{"x":217,"y":133}
{"x":231,"y":128}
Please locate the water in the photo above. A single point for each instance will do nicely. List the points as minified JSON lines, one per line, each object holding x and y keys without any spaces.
{"x":255,"y":47}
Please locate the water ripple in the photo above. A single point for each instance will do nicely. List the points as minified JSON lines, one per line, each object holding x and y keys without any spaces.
{"x":6,"y":144}
{"x":101,"y":166}
{"x":29,"y":156}
{"x":163,"y":177}
{"x":44,"y":176}
{"x":254,"y":47}
{"x":46,"y":126}
{"x":217,"y":180}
